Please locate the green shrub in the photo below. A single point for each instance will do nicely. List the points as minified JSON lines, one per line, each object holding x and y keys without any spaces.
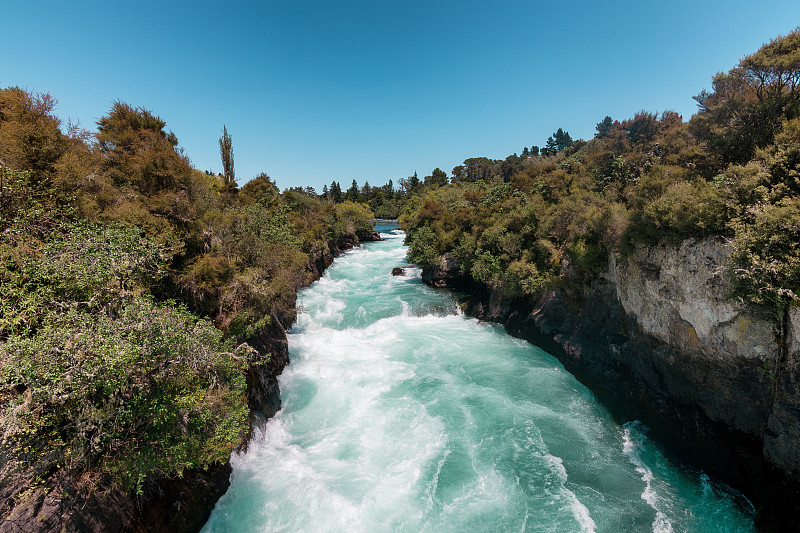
{"x":589,"y":256}
{"x":354,"y":217}
{"x":151,"y":390}
{"x":765,"y":255}
{"x":523,"y":278}
{"x":422,"y":248}
{"x":688,"y":210}
{"x":486,"y":268}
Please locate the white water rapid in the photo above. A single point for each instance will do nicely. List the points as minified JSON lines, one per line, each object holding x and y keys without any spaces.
{"x":401,"y":414}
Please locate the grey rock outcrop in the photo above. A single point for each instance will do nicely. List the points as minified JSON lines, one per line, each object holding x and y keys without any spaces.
{"x":445,"y":274}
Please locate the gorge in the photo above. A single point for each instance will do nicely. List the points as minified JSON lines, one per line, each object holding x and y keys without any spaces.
{"x":402,"y":413}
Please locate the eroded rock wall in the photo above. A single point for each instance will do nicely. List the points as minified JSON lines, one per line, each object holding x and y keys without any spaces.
{"x":660,"y":339}
{"x":682,"y":297}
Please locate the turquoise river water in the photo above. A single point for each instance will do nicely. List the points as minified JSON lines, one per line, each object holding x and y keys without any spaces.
{"x":402,"y":414}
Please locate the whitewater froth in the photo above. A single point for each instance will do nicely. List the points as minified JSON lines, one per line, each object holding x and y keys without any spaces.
{"x":401,"y":414}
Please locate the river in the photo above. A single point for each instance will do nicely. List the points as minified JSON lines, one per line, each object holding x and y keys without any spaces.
{"x":402,"y":414}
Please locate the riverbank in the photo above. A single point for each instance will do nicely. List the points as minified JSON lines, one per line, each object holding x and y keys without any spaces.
{"x":36,"y":498}
{"x":658,"y":340}
{"x":184,"y":509}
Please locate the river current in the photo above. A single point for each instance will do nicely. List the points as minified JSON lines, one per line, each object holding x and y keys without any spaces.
{"x":402,"y":414}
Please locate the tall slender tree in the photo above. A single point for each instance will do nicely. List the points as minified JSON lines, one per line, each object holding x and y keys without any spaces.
{"x":563,"y":140}
{"x":226,"y":153}
{"x":353,"y":194}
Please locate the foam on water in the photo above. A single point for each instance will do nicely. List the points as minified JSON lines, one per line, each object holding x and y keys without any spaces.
{"x":402,"y":414}
{"x":661,"y":523}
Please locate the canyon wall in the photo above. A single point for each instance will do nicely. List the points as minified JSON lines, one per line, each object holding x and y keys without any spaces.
{"x":659,"y":338}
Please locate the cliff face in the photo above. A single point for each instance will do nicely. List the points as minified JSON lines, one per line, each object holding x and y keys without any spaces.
{"x":739,"y":372}
{"x":659,"y":339}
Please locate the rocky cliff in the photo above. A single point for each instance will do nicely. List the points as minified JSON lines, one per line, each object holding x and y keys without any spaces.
{"x":658,"y":338}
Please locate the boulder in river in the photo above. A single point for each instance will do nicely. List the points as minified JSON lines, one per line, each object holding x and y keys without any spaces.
{"x":369,"y":236}
{"x":397,"y":271}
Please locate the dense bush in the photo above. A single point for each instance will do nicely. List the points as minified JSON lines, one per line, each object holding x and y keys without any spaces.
{"x":147,"y":390}
{"x":765,"y":258}
{"x":126,"y":279}
{"x":545,"y":220}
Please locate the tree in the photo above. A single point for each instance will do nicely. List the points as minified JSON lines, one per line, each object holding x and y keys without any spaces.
{"x":551,"y":147}
{"x":226,"y":153}
{"x":353,"y":194}
{"x":139,"y":153}
{"x":367,"y":192}
{"x":774,"y":70}
{"x":410,"y":184}
{"x":474,"y":169}
{"x":458,"y":173}
{"x":336,"y":192}
{"x":413,"y":181}
{"x":744,"y":110}
{"x":642,"y":128}
{"x":261,"y":189}
{"x":525,"y":152}
{"x":389,"y":189}
{"x":562,"y":140}
{"x":604,"y":127}
{"x":438,"y":178}
{"x":30,"y":138}
{"x":510,"y":166}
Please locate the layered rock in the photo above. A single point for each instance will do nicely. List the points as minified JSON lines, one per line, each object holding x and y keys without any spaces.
{"x":369,"y":236}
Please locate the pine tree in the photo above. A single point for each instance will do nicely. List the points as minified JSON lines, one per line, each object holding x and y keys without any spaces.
{"x":551,"y":147}
{"x":336,"y":192}
{"x":563,"y":140}
{"x":604,"y":127}
{"x":353,"y":194}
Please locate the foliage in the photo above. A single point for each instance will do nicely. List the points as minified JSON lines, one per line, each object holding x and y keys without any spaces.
{"x":102,"y":235}
{"x":527,"y":223}
{"x":150,"y":390}
{"x":117,"y":261}
{"x":422,"y":247}
{"x":30,"y":135}
{"x":765,"y":257}
{"x":353,"y":218}
{"x":226,"y":154}
{"x":93,"y":369}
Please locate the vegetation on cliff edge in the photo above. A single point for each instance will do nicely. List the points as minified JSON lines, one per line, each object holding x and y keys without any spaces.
{"x":130,"y":283}
{"x":552,"y":216}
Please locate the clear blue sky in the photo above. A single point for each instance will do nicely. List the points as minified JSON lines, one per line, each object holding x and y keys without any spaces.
{"x":315,"y":91}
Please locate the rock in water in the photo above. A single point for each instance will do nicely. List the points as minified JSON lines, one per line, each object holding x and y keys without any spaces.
{"x":397,"y":271}
{"x":369,"y":236}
